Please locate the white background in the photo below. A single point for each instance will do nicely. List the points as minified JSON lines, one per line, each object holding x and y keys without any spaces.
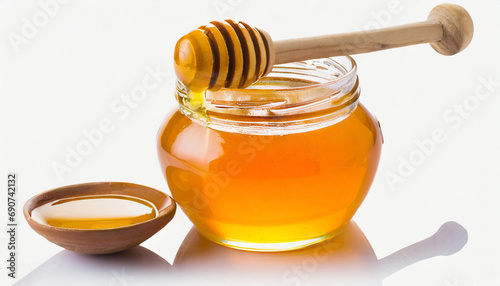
{"x":66,"y":75}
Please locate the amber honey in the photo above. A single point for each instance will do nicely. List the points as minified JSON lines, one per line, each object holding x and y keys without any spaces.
{"x":95,"y":212}
{"x":252,"y":179}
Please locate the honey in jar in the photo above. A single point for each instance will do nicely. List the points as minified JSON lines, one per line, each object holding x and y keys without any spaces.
{"x":95,"y":212}
{"x":280,"y":165}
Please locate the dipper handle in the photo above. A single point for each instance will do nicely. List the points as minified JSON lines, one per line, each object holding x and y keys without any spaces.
{"x":234,"y":54}
{"x":448,"y":28}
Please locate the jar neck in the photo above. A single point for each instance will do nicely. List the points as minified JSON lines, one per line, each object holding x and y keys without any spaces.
{"x":293,"y":98}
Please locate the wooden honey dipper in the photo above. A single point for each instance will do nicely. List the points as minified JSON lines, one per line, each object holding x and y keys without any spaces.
{"x":233,"y":54}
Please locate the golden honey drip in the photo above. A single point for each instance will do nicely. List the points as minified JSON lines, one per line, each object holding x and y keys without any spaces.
{"x":228,"y":54}
{"x":95,"y":212}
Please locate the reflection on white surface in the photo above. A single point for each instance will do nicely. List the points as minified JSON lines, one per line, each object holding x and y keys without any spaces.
{"x":136,"y":266}
{"x":331,"y":261}
{"x":347,"y":259}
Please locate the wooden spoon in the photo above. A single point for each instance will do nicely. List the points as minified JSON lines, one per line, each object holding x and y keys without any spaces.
{"x":102,"y":241}
{"x":234,"y":54}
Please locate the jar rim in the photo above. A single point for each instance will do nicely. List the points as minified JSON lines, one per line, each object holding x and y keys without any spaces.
{"x":292,"y":95}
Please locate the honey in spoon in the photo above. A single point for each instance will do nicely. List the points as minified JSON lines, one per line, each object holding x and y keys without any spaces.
{"x":95,"y":212}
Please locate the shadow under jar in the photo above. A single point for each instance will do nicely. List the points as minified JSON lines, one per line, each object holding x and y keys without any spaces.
{"x":280,"y":165}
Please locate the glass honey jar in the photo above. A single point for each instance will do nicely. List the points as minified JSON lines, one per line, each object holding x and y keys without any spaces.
{"x":280,"y":165}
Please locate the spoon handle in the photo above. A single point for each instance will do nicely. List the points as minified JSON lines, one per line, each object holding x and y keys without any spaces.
{"x":448,"y":28}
